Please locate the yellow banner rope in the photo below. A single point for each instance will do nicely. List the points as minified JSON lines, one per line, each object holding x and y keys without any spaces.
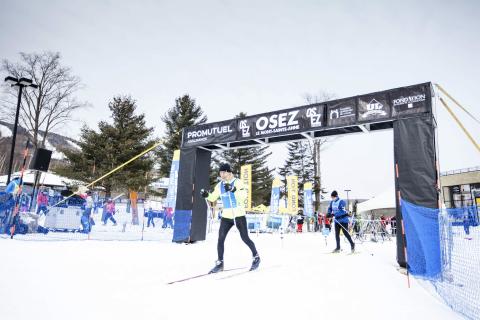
{"x":112,"y":171}
{"x":455,"y":101}
{"x":460,"y":124}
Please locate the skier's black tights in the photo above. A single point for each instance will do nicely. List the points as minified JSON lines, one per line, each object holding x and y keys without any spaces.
{"x":225,"y":226}
{"x":344,"y":228}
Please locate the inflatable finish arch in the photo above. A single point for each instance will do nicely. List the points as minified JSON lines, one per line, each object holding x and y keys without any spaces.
{"x":406,"y":110}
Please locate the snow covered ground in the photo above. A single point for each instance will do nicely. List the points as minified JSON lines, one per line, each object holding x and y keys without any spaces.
{"x":298,"y":279}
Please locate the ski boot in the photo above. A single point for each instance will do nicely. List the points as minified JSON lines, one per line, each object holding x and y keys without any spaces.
{"x":255,"y":263}
{"x":353,"y":249}
{"x":218,"y":267}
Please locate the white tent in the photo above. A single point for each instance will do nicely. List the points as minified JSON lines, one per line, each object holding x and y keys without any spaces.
{"x":46,"y":178}
{"x":384,"y":200}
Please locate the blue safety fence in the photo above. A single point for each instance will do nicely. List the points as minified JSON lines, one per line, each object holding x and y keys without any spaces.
{"x":254,"y":222}
{"x":7,"y":203}
{"x":274,"y":221}
{"x":443,"y":247}
{"x":68,"y":222}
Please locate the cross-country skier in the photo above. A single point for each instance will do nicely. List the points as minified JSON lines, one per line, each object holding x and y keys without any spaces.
{"x":233,"y":193}
{"x":337,"y":210}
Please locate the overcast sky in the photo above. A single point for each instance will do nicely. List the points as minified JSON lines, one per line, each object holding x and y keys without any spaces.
{"x":259,"y":56}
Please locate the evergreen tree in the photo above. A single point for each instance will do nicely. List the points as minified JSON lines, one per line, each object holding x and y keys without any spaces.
{"x":283,"y":172}
{"x":299,"y":163}
{"x":261,"y":174}
{"x":185,"y":113}
{"x":111,"y":146}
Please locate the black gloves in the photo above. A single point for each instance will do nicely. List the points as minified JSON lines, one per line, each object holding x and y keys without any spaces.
{"x":228,"y":187}
{"x":204,"y":193}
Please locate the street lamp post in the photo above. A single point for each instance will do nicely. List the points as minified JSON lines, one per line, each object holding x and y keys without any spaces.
{"x":20,"y":83}
{"x":348,"y":199}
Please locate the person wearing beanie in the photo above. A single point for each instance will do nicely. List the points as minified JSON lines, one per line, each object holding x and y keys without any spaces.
{"x":300,"y":219}
{"x":233,"y":194}
{"x":336,"y":209}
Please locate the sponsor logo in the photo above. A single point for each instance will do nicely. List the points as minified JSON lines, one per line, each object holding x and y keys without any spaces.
{"x":334,"y":114}
{"x":203,"y":134}
{"x":374,"y":108}
{"x":275,"y":123}
{"x":342,"y":112}
{"x":409,"y":101}
{"x":315,"y":119}
{"x":245,"y":128}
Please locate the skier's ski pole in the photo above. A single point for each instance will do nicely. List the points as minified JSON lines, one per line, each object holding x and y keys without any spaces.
{"x":345,"y":230}
{"x":335,"y":220}
{"x":208,"y":216}
{"x":231,"y":206}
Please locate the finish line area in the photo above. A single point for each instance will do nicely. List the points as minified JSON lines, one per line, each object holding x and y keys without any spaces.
{"x":435,"y":244}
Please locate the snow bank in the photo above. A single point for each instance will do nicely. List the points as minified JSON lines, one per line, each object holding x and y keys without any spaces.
{"x":298,"y":279}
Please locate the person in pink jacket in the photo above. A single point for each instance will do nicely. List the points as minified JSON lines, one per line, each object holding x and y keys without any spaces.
{"x":110,"y":212}
{"x":42,"y":202}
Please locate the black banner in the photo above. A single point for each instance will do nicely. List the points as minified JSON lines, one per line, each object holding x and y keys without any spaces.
{"x":341,"y":113}
{"x":283,"y":122}
{"x":409,"y":100}
{"x":373,"y":107}
{"x":211,"y":133}
{"x":369,"y":108}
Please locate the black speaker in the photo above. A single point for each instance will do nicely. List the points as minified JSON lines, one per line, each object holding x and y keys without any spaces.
{"x":41,"y":159}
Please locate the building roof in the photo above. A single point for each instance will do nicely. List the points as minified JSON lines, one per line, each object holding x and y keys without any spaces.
{"x":46,"y":179}
{"x":384,"y":200}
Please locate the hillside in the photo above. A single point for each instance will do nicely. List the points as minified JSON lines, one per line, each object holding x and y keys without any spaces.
{"x":55,"y":142}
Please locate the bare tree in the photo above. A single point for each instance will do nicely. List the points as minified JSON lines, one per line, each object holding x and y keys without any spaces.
{"x":52,"y":104}
{"x":318,"y":145}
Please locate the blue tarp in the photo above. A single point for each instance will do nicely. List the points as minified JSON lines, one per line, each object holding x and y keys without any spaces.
{"x":422,"y":239}
{"x":181,"y":229}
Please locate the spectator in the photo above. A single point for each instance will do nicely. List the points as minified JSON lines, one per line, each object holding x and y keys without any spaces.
{"x":104,"y":208}
{"x":110,"y":212}
{"x":326,"y":222}
{"x":393,"y":224}
{"x":42,"y":202}
{"x":24,"y":202}
{"x":86,"y":220}
{"x":88,"y":203}
{"x":383,"y":223}
{"x":300,"y":219}
{"x":315,"y":222}
{"x":168,"y":219}
{"x":309,"y":223}
{"x":13,"y":186}
{"x":96,"y":203}
{"x":150,"y":215}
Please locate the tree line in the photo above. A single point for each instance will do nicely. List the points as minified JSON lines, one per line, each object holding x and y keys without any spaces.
{"x":125,"y":134}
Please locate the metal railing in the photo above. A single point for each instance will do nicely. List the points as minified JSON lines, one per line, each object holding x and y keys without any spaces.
{"x":457,"y":171}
